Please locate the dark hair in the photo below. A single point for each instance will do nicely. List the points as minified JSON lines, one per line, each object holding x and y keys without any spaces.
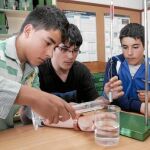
{"x":133,"y":30}
{"x":47,"y":17}
{"x":74,"y":36}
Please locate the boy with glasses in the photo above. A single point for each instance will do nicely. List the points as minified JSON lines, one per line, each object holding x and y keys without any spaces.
{"x":65,"y":77}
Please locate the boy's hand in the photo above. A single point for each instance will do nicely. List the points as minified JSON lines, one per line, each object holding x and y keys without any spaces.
{"x":141,"y":95}
{"x":103,"y":101}
{"x":115,"y":86}
{"x":142,"y":109}
{"x":48,"y":106}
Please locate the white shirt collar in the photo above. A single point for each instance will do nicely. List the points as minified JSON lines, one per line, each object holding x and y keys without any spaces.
{"x":11,"y":48}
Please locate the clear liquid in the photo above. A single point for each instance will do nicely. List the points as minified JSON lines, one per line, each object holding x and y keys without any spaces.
{"x":107,"y":132}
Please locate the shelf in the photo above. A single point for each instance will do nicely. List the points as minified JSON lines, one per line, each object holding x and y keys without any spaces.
{"x":15,"y":13}
{"x":5,"y":36}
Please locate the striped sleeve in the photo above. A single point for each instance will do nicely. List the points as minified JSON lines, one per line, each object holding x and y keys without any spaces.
{"x":8,"y":92}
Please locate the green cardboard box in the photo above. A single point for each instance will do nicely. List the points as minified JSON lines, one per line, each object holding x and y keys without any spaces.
{"x":2,"y":4}
{"x":48,"y":2}
{"x":133,"y":125}
{"x":38,"y":3}
{"x":41,"y":2}
{"x":3,"y":23}
{"x":10,"y":4}
{"x":3,"y":29}
{"x":26,"y":5}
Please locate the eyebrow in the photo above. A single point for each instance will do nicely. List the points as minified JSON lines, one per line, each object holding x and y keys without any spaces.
{"x":52,"y":40}
{"x":136,"y":44}
{"x":131,"y":45}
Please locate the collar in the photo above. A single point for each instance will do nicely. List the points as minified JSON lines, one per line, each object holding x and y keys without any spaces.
{"x":11,"y":51}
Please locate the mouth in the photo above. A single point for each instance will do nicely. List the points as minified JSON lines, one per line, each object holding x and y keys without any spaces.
{"x":69,"y":63}
{"x":130,"y":59}
{"x":42,"y":60}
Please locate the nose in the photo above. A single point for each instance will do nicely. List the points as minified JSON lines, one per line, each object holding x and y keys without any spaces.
{"x":49,"y":52}
{"x":130,"y":52}
{"x":70,"y":54}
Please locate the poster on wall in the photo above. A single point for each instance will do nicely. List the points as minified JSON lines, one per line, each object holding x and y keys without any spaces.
{"x":118,"y":23}
{"x":86,"y":22}
{"x":148,"y":25}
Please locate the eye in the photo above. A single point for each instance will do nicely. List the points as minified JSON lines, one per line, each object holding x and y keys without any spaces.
{"x":64,"y":48}
{"x":49,"y":43}
{"x":124,"y":47}
{"x":135,"y":47}
{"x":76,"y":50}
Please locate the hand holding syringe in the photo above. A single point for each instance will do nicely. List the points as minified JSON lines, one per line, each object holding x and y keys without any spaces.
{"x":113,"y":88}
{"x":79,"y":108}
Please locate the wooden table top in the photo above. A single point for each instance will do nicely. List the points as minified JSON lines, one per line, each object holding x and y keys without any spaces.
{"x":46,"y":138}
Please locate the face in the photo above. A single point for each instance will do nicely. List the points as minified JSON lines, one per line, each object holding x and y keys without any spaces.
{"x":133,"y":50}
{"x":64,"y":56}
{"x":40,"y":45}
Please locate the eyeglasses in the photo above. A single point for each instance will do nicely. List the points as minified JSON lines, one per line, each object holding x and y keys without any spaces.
{"x":66,"y":49}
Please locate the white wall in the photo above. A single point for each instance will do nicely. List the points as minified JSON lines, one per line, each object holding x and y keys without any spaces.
{"x":148,"y":17}
{"x":134,"y":4}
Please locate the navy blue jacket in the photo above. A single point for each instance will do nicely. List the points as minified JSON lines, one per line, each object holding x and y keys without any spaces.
{"x":129,"y":101}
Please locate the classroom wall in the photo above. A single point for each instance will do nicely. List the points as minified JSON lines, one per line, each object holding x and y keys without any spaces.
{"x":100,"y":10}
{"x":134,"y":4}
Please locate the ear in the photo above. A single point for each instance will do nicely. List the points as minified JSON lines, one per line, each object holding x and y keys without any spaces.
{"x":28,"y":30}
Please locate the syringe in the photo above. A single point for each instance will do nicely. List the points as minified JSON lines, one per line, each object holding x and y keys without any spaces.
{"x":88,"y":106}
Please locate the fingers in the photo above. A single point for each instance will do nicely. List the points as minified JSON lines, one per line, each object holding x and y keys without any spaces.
{"x":113,"y":79}
{"x":115,"y":86}
{"x":141,"y":95}
{"x":60,"y":114}
{"x":55,"y":119}
{"x":86,"y":122}
{"x":102,"y":100}
{"x":51,"y":107}
{"x":72,"y":103}
{"x":65,"y":110}
{"x":54,"y":116}
{"x":47,"y":122}
{"x":70,"y":110}
{"x":113,"y":83}
{"x":142,"y":109}
{"x":105,"y":115}
{"x":64,"y":114}
{"x":107,"y":87}
{"x":117,"y":92}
